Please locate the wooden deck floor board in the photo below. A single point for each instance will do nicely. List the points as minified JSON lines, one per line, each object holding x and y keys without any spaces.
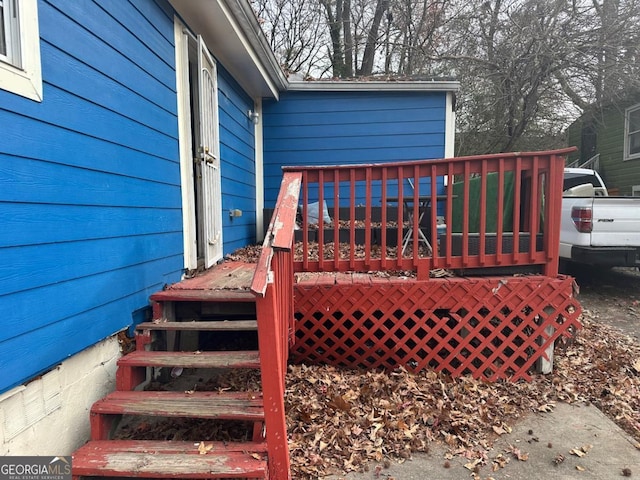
{"x":229,"y":282}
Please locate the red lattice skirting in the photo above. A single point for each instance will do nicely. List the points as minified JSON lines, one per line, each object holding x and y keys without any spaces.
{"x":492,"y":328}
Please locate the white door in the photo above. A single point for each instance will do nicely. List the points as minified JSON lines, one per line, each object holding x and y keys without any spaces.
{"x":209,"y":157}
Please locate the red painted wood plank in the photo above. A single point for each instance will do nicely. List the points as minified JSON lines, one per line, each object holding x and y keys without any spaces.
{"x":287,"y":209}
{"x":352,"y":216}
{"x":517,"y":192}
{"x":151,"y":459}
{"x":534,"y":205}
{"x":209,"y":326}
{"x":305,"y":218}
{"x":170,"y":446}
{"x":226,"y":359}
{"x":225,"y":275}
{"x":325,"y":278}
{"x":336,"y":216}
{"x":246,"y":406}
{"x":367,"y":216}
{"x":274,"y":345}
{"x":483,"y":212}
{"x":321,"y":201}
{"x":306,"y":278}
{"x":456,"y":160}
{"x":400,"y":216}
{"x":361,"y":278}
{"x":383,"y":230}
{"x":500,"y":210}
{"x":261,"y":278}
{"x":221,"y":295}
{"x":228,"y":281}
{"x":343,"y":278}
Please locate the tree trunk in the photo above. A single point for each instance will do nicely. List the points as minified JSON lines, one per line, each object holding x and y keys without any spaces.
{"x":335,"y":31}
{"x":348,"y":39}
{"x":372,"y":39}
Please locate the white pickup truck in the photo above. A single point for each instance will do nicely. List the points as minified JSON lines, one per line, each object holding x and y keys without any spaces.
{"x":597,"y":229}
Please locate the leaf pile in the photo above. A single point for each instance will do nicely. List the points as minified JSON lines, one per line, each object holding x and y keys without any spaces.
{"x":346,"y":224}
{"x":338,"y":420}
{"x":134,"y":427}
{"x":344,"y":251}
{"x":248,"y":254}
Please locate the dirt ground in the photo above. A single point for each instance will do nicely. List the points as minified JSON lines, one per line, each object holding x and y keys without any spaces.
{"x":611,"y":295}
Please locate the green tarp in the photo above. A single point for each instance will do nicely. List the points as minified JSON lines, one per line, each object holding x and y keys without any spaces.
{"x":490,"y":206}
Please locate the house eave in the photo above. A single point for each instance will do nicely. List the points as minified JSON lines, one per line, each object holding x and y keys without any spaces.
{"x":375,"y":86}
{"x":232,"y":32}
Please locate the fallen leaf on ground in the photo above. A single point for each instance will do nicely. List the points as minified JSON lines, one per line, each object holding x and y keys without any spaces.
{"x":204,"y":448}
{"x":577,"y":452}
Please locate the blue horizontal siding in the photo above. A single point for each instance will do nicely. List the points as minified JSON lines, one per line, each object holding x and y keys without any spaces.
{"x":89,"y":47}
{"x":36,"y":350}
{"x":237,"y":155}
{"x":90,"y":197}
{"x":158,"y":14}
{"x":73,"y":113}
{"x":353,"y":102}
{"x":350,"y":119}
{"x":140,"y":30}
{"x":51,"y":143}
{"x":23,"y":223}
{"x":92,"y":18}
{"x":34,"y":181}
{"x":85,"y":82}
{"x":337,"y":128}
{"x":330,"y":128}
{"x":100,"y":289}
{"x":363,"y":142}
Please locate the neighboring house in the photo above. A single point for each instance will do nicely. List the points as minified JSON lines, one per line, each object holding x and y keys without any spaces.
{"x":613,"y":134}
{"x":104,"y":107}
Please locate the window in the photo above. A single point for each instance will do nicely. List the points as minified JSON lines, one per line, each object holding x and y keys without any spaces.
{"x":9,"y":33}
{"x":20,"y":70}
{"x":574,"y":179}
{"x":632,"y":133}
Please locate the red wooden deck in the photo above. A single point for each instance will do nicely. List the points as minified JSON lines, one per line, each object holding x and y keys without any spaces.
{"x":490,"y":327}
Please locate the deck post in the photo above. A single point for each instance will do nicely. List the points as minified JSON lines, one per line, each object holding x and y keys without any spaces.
{"x":271,"y":349}
{"x":545,"y":365}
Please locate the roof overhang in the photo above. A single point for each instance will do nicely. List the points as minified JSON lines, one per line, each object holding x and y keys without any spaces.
{"x":375,"y":86}
{"x":232,"y":33}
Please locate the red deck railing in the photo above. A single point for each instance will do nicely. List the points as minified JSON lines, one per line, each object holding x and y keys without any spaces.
{"x":273,"y":286}
{"x":500,"y":210}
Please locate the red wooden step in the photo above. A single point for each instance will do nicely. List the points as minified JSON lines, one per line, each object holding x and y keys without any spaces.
{"x":212,"y":326}
{"x":220,"y":295}
{"x":222,"y":359}
{"x":244,"y":406}
{"x":158,"y":459}
{"x":132,"y":367}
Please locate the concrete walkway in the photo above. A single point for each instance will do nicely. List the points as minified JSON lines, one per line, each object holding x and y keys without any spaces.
{"x":610,"y":452}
